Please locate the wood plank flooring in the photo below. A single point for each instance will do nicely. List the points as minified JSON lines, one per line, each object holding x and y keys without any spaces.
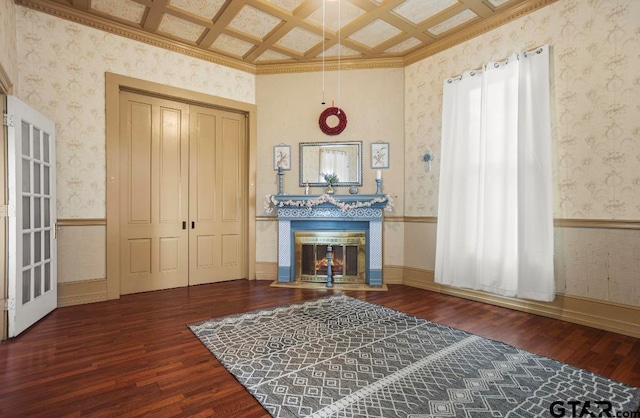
{"x":136,"y":357}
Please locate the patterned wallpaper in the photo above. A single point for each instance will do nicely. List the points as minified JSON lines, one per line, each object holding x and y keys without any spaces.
{"x":8,"y":52}
{"x":62,"y":66}
{"x":595,"y":105}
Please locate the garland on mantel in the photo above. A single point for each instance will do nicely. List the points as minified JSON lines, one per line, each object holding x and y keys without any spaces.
{"x":271,"y":201}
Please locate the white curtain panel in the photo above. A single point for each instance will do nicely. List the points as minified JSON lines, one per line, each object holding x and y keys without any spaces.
{"x":495,"y":219}
{"x":336,"y":162}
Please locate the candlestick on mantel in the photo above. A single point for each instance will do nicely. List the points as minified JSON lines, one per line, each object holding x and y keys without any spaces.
{"x":280,"y":175}
{"x":379,"y":174}
{"x":378,"y":186}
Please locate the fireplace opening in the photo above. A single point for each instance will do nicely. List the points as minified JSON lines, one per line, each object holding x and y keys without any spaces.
{"x":348,"y":256}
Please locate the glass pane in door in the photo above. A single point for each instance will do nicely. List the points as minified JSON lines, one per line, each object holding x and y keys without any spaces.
{"x":36,"y":143}
{"x":37,"y":247}
{"x":47,"y":212}
{"x":37,"y":213}
{"x":26,"y":138}
{"x":47,"y":245}
{"x":45,"y":147}
{"x":26,"y":212}
{"x":26,"y":175}
{"x":36,"y":177}
{"x":26,"y":249}
{"x":46,"y":180}
{"x":47,"y":277}
{"x":26,"y":286}
{"x":37,"y":282}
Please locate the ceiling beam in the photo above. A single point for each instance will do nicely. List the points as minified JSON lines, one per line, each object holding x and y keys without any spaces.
{"x":478,"y":7}
{"x":81,"y":5}
{"x":154,"y":15}
{"x":226,"y":16}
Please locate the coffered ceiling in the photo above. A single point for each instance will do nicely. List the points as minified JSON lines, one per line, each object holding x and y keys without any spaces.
{"x":262,"y":36}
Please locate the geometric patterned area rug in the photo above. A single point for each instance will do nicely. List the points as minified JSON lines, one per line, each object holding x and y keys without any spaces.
{"x":342,"y":357}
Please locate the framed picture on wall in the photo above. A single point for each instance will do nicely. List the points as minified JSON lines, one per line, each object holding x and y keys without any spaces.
{"x":380,"y":155}
{"x":282,"y":157}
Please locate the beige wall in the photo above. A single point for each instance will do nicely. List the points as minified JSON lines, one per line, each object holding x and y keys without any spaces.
{"x":598,"y":264}
{"x":289,"y":106}
{"x":8,"y":48}
{"x":596,"y":138}
{"x":596,"y":131}
{"x":62,"y":75}
{"x":89,"y":241}
{"x":62,"y":67}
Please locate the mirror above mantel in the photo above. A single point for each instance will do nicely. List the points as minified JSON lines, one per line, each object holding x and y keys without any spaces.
{"x":341,"y":158}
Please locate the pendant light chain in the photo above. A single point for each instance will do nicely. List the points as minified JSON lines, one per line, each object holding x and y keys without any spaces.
{"x":323,"y":50}
{"x":339,"y":49}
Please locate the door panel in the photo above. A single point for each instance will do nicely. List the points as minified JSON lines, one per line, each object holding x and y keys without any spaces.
{"x":139,"y":256}
{"x":230,"y":250}
{"x":206,"y":251}
{"x":217,"y":197}
{"x":139,"y":161}
{"x":154,"y":168}
{"x":170,"y":254}
{"x":231,"y":170}
{"x":32,"y":279}
{"x":171,"y":161}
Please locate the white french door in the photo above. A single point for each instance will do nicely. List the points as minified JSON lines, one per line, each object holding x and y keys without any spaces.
{"x":32,"y":278}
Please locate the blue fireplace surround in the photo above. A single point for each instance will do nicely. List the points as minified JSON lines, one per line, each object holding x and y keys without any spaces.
{"x":329,"y":217}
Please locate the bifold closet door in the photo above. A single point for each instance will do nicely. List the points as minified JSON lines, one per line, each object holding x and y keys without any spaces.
{"x":217,"y":248}
{"x":154,"y":193}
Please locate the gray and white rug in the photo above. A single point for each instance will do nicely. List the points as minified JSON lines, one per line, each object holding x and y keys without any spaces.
{"x":342,"y":357}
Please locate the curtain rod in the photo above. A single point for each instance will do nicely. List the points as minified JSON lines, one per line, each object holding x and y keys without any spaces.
{"x":537,"y":50}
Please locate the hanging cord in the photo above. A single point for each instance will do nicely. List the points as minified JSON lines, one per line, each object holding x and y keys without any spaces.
{"x":339,"y":50}
{"x":323,"y":51}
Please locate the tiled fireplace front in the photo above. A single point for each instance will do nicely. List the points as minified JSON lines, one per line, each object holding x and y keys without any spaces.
{"x":355,"y":234}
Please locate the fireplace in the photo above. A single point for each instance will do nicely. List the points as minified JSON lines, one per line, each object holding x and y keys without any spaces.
{"x":348,"y":256}
{"x":351,"y":224}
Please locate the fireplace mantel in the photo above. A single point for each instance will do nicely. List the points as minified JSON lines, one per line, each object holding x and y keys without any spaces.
{"x":329,"y":212}
{"x":334,"y":206}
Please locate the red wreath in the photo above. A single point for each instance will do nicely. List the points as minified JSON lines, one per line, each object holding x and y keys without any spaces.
{"x":333,"y":130}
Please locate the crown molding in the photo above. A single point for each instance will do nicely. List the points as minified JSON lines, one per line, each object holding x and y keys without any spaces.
{"x":477,"y":29}
{"x":345,"y":64}
{"x":97,"y":22}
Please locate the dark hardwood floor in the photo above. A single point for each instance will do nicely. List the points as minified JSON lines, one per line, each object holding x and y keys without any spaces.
{"x":136,"y":357}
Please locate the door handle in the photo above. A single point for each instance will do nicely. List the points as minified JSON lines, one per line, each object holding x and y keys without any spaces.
{"x":184,"y":224}
{"x":193,"y":225}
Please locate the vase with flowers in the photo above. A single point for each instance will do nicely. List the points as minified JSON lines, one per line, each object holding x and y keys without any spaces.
{"x":331,"y":179}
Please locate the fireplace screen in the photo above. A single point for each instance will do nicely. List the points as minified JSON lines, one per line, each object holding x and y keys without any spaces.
{"x":348,"y":256}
